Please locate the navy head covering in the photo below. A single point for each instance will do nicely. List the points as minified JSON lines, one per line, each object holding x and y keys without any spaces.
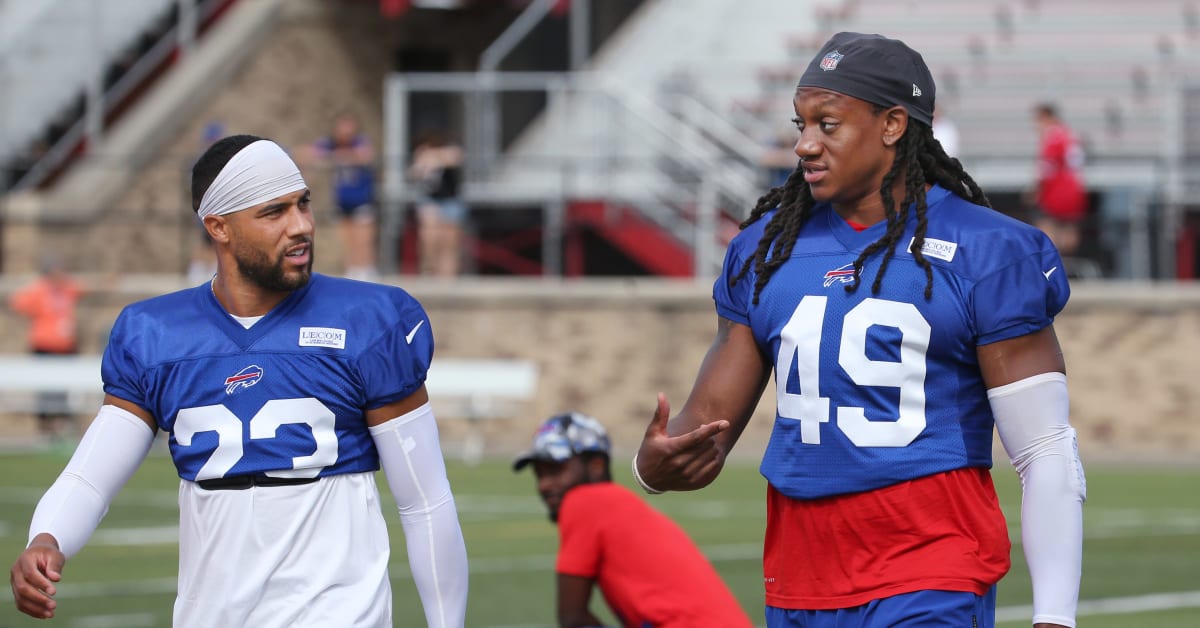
{"x":881,"y":71}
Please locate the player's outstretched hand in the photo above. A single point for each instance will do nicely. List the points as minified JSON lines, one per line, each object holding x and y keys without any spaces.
{"x":34,"y":575}
{"x":684,"y":462}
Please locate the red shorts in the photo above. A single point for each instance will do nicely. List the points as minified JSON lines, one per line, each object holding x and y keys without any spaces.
{"x":944,"y":532}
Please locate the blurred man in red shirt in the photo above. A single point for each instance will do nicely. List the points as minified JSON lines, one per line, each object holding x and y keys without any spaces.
{"x":649,"y":570}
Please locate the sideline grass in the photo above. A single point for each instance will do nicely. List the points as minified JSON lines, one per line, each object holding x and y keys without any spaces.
{"x":1143,"y":537}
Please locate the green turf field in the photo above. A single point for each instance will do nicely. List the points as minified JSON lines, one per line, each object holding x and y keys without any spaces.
{"x":1141,"y":564}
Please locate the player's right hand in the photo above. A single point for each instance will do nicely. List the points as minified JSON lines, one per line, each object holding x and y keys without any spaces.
{"x":34,"y":575}
{"x":684,"y":462}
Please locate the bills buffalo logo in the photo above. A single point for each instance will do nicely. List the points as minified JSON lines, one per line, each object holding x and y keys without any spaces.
{"x":830,"y":61}
{"x":244,"y":378}
{"x":845,"y":274}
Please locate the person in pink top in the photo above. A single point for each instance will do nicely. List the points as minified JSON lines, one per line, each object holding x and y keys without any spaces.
{"x":648,"y":569}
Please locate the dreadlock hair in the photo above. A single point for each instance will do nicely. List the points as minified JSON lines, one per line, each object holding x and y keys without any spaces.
{"x":921,"y":160}
{"x":209,"y":165}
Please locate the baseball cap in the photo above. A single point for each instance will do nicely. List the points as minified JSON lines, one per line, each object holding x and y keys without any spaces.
{"x":563,"y":436}
{"x":874,"y":68}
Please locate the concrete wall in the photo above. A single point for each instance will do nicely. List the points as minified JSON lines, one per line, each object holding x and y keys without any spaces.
{"x":607,"y":347}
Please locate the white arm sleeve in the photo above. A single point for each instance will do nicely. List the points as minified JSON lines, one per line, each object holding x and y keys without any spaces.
{"x":1031,"y":417}
{"x":109,"y":452}
{"x":411,"y":456}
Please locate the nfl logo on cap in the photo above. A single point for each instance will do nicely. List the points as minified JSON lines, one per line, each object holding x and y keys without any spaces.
{"x":830,"y":62}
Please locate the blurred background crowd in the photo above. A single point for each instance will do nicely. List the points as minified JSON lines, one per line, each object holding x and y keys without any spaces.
{"x":624,"y":137}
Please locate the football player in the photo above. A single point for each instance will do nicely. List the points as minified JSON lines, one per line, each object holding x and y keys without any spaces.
{"x":903,"y":319}
{"x":281,"y":392}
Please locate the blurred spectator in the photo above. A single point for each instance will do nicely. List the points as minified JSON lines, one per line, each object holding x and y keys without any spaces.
{"x":49,"y":303}
{"x":349,"y":153}
{"x":1058,"y":196}
{"x":1004,"y":23}
{"x":948,"y":85}
{"x":1140,"y":80}
{"x":437,"y":170}
{"x":945,"y":131}
{"x":1114,"y":121}
{"x":650,"y":572}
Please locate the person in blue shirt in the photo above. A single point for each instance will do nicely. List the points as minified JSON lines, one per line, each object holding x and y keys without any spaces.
{"x":349,"y":155}
{"x":281,"y":392}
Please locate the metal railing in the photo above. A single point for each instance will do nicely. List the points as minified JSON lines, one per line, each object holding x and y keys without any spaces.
{"x":677,"y":167}
{"x":89,"y":126}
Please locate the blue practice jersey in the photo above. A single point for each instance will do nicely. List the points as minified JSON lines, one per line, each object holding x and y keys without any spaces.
{"x":876,"y":389}
{"x":286,"y":397}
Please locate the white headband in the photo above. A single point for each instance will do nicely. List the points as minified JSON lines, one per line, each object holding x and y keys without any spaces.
{"x":258,"y":173}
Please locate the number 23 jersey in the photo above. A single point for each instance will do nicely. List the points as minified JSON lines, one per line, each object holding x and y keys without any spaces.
{"x":287,"y":396}
{"x":878,"y":388}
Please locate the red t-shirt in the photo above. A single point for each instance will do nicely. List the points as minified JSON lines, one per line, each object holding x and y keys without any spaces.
{"x":943,"y":532}
{"x":1060,"y":191}
{"x":647,"y":567}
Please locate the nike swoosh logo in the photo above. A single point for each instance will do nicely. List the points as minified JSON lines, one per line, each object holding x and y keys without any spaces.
{"x":408,"y":338}
{"x":1047,"y":273}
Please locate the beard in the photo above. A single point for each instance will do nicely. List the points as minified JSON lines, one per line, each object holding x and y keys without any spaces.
{"x":552,"y":509}
{"x":260,"y":269}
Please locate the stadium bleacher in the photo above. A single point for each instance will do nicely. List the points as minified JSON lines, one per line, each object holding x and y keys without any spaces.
{"x":1108,"y":69}
{"x":72,"y":89}
{"x":1116,"y":77}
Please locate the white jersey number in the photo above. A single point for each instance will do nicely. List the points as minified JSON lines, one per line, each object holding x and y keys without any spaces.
{"x":800,"y":345}
{"x":217,"y":418}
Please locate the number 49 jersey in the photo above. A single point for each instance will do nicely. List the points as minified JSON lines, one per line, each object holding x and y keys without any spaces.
{"x":876,"y":389}
{"x":285,"y":397}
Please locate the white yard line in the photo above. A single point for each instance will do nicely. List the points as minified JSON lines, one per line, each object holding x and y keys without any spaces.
{"x":1115,"y":523}
{"x":1148,"y":526}
{"x":117,"y":588}
{"x":1106,"y":519}
{"x":1114,"y":605}
{"x":156,"y":535}
{"x":150,"y":498}
{"x":130,"y":620}
{"x":1103,"y":606}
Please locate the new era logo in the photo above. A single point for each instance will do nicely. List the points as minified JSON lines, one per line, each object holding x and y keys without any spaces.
{"x":916,"y":90}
